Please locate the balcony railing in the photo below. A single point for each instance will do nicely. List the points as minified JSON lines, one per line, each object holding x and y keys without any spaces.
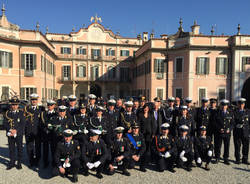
{"x":28,"y":73}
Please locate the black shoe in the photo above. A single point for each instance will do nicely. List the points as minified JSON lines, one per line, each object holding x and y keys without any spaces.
{"x":216,"y":161}
{"x":99,"y":175}
{"x":19,"y":166}
{"x":111,"y":172}
{"x":244,"y":161}
{"x":237,"y":162}
{"x":189,"y":169}
{"x":125,"y":172}
{"x":85,"y":173}
{"x":9,"y":167}
{"x":143,"y":169}
{"x":75,"y":178}
{"x":226,"y":162}
{"x":171,"y":170}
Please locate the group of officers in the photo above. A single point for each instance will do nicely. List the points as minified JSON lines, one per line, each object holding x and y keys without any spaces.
{"x":115,"y":135}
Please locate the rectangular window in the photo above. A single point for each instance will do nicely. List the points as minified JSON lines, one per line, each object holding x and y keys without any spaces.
{"x":66,"y":70}
{"x":65,"y":50}
{"x":124,"y":52}
{"x":202,"y":66}
{"x":26,"y":92}
{"x":221,"y":93}
{"x":28,"y":62}
{"x":178,"y":92}
{"x":5,"y":93}
{"x":245,"y":61}
{"x":124,"y":74}
{"x":221,"y":66}
{"x":94,"y":72}
{"x":81,"y":71}
{"x":159,"y":92}
{"x":6,"y":59}
{"x":81,"y":51}
{"x":110,"y":52}
{"x":202,"y":94}
{"x":178,"y":65}
{"x":159,"y":66}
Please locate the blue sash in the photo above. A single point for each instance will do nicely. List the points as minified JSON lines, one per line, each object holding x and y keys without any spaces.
{"x":130,"y":137}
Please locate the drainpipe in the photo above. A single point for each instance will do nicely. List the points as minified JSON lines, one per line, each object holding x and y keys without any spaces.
{"x":19,"y":70}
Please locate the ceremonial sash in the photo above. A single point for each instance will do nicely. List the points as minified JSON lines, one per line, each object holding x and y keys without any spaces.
{"x":130,"y":137}
{"x":159,"y":149}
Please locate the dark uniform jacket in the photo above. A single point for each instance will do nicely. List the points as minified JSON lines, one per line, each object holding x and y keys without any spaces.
{"x":203,"y":117}
{"x":91,"y":111}
{"x":92,"y":152}
{"x":224,"y":121}
{"x":162,"y":144}
{"x":184,"y":144}
{"x":242,"y":122}
{"x":140,"y":147}
{"x":120,"y":148}
{"x":46,"y":118}
{"x":60,"y":124}
{"x":202,"y":145}
{"x":113,"y":120}
{"x":80,"y":122}
{"x":14,"y":121}
{"x":127,"y":120}
{"x":64,"y":151}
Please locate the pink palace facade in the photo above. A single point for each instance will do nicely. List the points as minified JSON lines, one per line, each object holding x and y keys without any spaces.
{"x":96,"y":60}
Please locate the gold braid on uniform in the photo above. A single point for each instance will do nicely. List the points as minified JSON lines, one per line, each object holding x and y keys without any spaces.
{"x":28,"y":114}
{"x":42,"y":117}
{"x":127,"y":123}
{"x":10,"y":120}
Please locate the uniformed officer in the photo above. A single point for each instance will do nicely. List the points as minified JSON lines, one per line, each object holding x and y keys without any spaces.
{"x":185,"y":119}
{"x":191,"y":110}
{"x":203,"y":115}
{"x":185,"y":149}
{"x":158,"y":113}
{"x":91,"y":108}
{"x":170,"y":115}
{"x":241,"y":131}
{"x":67,"y":156}
{"x":120,"y":152}
{"x":94,"y":153}
{"x":203,"y":148}
{"x":224,"y":125}
{"x":60,"y":123}
{"x":142,"y":102}
{"x":72,"y":109}
{"x":46,"y":130}
{"x":165,"y":148}
{"x":112,"y":116}
{"x":14,"y":123}
{"x":127,"y":117}
{"x":137,"y":147}
{"x":213,"y":111}
{"x":32,"y":114}
{"x":119,"y":105}
{"x":81,"y":124}
{"x":135,"y":106}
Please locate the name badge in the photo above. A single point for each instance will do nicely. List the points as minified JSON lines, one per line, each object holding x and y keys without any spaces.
{"x":138,"y":143}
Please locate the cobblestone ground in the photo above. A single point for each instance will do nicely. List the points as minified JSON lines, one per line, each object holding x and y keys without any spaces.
{"x":219,"y":173}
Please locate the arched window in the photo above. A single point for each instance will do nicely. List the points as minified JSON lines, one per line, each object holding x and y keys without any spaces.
{"x":81,"y":71}
{"x":111,"y":72}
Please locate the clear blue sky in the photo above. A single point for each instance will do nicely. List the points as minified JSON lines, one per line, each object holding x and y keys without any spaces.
{"x":131,"y":17}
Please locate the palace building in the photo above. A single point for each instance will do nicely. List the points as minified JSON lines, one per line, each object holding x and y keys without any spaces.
{"x":96,"y":60}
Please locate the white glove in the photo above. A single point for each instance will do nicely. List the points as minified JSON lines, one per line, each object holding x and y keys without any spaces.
{"x":199,"y":160}
{"x":90,"y":165}
{"x":8,"y":134}
{"x":85,"y":131}
{"x":161,"y":155}
{"x":14,"y":135}
{"x":182,"y":153}
{"x":66,"y":165}
{"x":75,"y":132}
{"x":167,"y":155}
{"x":96,"y":164}
{"x":184,"y":159}
{"x":209,"y":153}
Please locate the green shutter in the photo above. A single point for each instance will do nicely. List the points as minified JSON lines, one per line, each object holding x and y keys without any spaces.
{"x":107,"y":52}
{"x":197,"y":66}
{"x":22,"y":92}
{"x":155,"y":65}
{"x":207,"y":65}
{"x":69,"y":67}
{"x":69,"y":51}
{"x":1,"y":53}
{"x":34,"y":90}
{"x":62,"y":72}
{"x":10,"y":60}
{"x":77,"y":71}
{"x":34,"y":59}
{"x":77,"y":51}
{"x":226,"y":66}
{"x":22,"y":61}
{"x":84,"y":71}
{"x":62,"y":50}
{"x":121,"y":52}
{"x":217,"y":65}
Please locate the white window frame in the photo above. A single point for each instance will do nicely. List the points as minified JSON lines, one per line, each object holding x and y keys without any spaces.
{"x":64,"y":50}
{"x":175,"y":64}
{"x":199,"y":93}
{"x":82,"y":65}
{"x":63,"y":71}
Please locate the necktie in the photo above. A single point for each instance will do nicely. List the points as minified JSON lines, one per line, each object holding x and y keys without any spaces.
{"x":156,"y":115}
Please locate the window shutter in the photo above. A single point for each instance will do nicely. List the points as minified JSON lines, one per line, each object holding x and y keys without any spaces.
{"x":69,"y":74}
{"x":77,"y":51}
{"x":107,"y":52}
{"x":121,"y":52}
{"x":113,"y":52}
{"x":23,"y":61}
{"x":10,"y":60}
{"x":197,"y":65}
{"x":226,"y":66}
{"x":1,"y":53}
{"x":155,"y":65}
{"x":62,"y":50}
{"x":163,"y":66}
{"x":207,"y":65}
{"x":84,"y":71}
{"x":34,"y":90}
{"x":34,"y":59}
{"x":22,"y":91}
{"x":69,"y":50}
{"x":77,"y":71}
{"x":217,"y":66}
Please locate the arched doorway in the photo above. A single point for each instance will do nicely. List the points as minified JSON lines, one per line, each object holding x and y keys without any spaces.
{"x":245,"y":93}
{"x":96,"y":90}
